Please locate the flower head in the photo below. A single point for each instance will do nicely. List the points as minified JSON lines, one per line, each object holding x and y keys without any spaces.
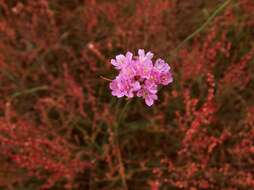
{"x":139,"y":76}
{"x":122,"y":61}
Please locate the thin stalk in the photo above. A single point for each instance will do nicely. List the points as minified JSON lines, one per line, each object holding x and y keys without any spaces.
{"x":121,"y":165}
{"x":118,"y":147}
{"x":105,"y":78}
{"x":29,"y":91}
{"x":203,"y":26}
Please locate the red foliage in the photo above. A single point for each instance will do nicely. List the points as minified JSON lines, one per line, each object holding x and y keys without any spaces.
{"x":38,"y":150}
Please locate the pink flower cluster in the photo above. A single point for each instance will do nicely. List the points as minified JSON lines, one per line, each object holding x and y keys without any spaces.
{"x":139,"y":76}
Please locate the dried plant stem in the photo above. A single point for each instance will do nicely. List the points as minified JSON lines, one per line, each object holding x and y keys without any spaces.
{"x":121,"y":165}
{"x":107,"y":79}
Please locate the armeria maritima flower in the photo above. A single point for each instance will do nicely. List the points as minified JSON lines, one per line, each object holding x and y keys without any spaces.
{"x":139,"y":76}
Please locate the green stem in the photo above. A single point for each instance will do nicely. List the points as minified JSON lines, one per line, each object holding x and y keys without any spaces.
{"x":118,"y":147}
{"x":124,"y":109}
{"x":29,"y":91}
{"x":210,"y":18}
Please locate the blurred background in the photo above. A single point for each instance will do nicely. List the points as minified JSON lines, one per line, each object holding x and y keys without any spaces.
{"x":60,"y":127}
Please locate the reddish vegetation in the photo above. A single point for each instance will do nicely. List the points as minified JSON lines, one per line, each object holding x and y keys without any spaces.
{"x":60,"y":128}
